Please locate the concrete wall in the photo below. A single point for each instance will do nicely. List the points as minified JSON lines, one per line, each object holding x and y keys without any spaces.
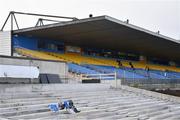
{"x":50,"y":67}
{"x":21,"y":88}
{"x":5,"y":43}
{"x":151,"y":93}
{"x":157,"y":86}
{"x":12,"y":91}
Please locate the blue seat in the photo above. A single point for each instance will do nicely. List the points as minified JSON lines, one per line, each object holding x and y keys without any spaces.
{"x":124,"y":72}
{"x":81,"y":69}
{"x":121,"y":73}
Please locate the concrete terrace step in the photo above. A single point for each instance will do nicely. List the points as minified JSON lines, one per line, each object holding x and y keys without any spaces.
{"x":103,"y":104}
{"x":81,"y":108}
{"x":47,"y":100}
{"x":39,"y":104}
{"x":87,"y":108}
{"x":99,"y":111}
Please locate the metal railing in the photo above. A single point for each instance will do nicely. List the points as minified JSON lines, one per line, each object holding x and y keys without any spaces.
{"x":109,"y":76}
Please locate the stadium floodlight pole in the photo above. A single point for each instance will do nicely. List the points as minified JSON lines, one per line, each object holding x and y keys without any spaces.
{"x":43,"y":15}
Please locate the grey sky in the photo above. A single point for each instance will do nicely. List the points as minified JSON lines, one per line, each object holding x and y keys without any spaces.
{"x":154,"y":15}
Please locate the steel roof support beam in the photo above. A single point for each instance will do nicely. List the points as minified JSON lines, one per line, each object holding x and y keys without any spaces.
{"x":33,"y":14}
{"x":40,"y":21}
{"x":5,"y":22}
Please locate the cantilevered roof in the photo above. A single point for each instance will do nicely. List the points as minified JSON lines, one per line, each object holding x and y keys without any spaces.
{"x":108,"y":33}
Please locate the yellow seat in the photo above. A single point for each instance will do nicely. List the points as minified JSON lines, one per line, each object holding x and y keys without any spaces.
{"x":36,"y":54}
{"x":80,"y":59}
{"x":150,"y":66}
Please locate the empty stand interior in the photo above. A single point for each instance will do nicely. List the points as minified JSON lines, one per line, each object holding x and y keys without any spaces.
{"x":84,"y":59}
{"x":84,"y":64}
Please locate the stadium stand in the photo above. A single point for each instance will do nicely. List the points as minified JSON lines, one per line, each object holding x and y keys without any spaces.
{"x":96,"y":65}
{"x":88,"y":53}
{"x":36,"y":54}
{"x":121,"y":73}
{"x":109,"y":39}
{"x":92,"y":60}
{"x":127,"y":73}
{"x":175,"y":75}
{"x":155,"y":66}
{"x":80,"y":59}
{"x":80,"y":69}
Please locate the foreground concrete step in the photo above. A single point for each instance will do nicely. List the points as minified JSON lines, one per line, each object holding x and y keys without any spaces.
{"x":97,"y":103}
{"x":175,"y":117}
{"x":47,"y":101}
{"x":83,"y":117}
{"x":102,"y":105}
{"x":29,"y":107}
{"x":166,"y":115}
{"x":130,"y":112}
{"x":27,"y":103}
{"x":16,"y":94}
{"x":93,"y":95}
{"x":94,"y":112}
{"x":57,"y":95}
{"x":33,"y":115}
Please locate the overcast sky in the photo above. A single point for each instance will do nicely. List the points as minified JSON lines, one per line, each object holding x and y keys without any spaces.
{"x":154,"y":15}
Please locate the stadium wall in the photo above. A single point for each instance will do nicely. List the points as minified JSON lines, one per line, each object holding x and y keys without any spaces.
{"x":45,"y":67}
{"x":5,"y":43}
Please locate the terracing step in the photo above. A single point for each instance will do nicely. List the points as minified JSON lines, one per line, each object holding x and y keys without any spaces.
{"x":102,"y":105}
